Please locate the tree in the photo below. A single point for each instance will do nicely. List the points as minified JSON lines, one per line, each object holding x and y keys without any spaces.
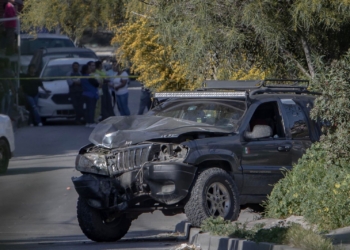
{"x":151,"y":59}
{"x":73,"y":17}
{"x":283,"y":36}
{"x":220,"y":39}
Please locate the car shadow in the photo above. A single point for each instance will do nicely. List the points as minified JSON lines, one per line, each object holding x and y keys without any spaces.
{"x":32,"y":170}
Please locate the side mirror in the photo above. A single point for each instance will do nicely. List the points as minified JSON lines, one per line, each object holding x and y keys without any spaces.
{"x":259,"y":131}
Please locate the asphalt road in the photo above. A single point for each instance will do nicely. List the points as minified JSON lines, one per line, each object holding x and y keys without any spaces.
{"x":38,"y":200}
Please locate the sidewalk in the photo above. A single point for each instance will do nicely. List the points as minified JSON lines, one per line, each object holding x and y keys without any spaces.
{"x":340,"y":238}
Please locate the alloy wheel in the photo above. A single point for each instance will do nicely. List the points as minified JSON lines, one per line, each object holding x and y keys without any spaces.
{"x":218,"y":200}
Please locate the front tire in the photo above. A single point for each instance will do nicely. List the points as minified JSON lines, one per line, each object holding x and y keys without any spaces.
{"x":97,"y":228}
{"x":5,"y":155}
{"x":214,"y":194}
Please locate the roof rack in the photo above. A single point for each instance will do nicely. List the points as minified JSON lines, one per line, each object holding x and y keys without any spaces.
{"x":241,"y":89}
{"x":282,"y":90}
{"x":232,"y":85}
{"x":294,"y":85}
{"x":249,"y":85}
{"x":254,"y":87}
{"x":202,"y":94}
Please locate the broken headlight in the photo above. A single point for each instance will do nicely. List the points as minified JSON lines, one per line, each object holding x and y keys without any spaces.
{"x":170,"y":152}
{"x":92,"y":163}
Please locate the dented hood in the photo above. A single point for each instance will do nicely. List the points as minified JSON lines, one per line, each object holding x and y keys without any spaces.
{"x":120,"y":131}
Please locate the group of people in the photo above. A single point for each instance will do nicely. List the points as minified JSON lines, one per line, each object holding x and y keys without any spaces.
{"x":90,"y":85}
{"x":100,"y":90}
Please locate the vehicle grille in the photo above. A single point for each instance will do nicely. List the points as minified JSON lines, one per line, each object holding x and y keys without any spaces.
{"x":123,"y":160}
{"x":61,"y":99}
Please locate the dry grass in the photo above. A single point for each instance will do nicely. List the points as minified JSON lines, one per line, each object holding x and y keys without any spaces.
{"x":307,"y":239}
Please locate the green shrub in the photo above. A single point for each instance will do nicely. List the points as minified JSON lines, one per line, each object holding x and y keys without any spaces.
{"x":314,"y":190}
{"x":301,"y":238}
{"x":318,"y":187}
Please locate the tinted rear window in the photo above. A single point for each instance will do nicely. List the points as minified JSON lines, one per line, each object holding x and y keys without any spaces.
{"x":29,"y":46}
{"x":297,"y":121}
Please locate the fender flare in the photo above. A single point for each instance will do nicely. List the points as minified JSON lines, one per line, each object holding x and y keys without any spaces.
{"x":227,"y":156}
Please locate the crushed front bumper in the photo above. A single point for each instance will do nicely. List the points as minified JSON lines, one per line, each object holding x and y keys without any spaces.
{"x":169,"y":183}
{"x":166,"y":183}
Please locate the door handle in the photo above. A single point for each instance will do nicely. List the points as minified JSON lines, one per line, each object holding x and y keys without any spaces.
{"x":284,"y":148}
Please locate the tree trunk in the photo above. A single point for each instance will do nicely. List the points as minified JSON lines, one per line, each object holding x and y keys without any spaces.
{"x":308,"y":56}
{"x":289,"y":55}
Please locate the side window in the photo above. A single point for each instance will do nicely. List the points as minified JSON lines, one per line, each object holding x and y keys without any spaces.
{"x":297,"y":122}
{"x":268,"y":114}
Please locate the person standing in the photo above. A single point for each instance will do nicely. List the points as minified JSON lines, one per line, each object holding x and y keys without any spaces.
{"x":76,"y":92}
{"x":90,"y":95}
{"x":97,"y":77}
{"x":111,"y":74}
{"x":4,"y":88}
{"x":7,"y":87}
{"x":145,"y":100}
{"x":30,"y":87}
{"x":10,"y":26}
{"x":120,"y":85}
{"x":99,"y":72}
{"x":106,"y":99}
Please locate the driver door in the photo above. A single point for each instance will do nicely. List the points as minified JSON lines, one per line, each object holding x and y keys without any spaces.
{"x":263,"y":158}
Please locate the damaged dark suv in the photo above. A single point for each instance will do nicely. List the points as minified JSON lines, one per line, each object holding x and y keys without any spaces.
{"x":205,"y":153}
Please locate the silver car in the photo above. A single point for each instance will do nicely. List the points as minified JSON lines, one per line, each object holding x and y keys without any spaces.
{"x":30,"y":44}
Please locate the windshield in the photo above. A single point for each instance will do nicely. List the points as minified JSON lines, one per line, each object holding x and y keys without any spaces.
{"x":29,"y":46}
{"x":57,"y":70}
{"x":224,"y":114}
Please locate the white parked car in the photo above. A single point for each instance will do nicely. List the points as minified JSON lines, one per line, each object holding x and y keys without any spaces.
{"x":57,"y":104}
{"x":42,"y":56}
{"x":30,"y":44}
{"x":7,"y":142}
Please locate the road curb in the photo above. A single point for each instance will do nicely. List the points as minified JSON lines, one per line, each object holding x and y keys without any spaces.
{"x":206,"y":241}
{"x":184,"y":228}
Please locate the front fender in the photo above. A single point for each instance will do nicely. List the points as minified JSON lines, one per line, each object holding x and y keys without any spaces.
{"x":196,"y":157}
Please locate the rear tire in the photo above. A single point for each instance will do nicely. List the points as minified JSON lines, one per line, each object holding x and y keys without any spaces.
{"x":98,"y":229}
{"x":5,"y":155}
{"x":214,"y":194}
